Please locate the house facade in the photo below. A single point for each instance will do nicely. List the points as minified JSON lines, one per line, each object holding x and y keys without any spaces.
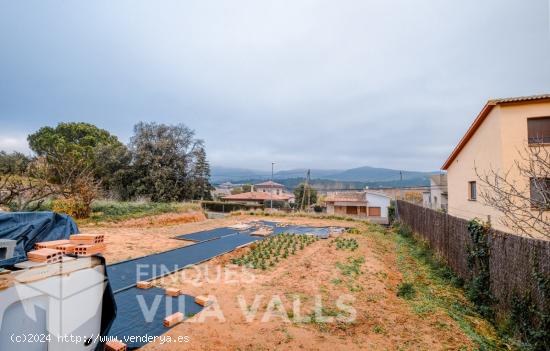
{"x":361,"y":204}
{"x":269,"y":187}
{"x":436,"y":197}
{"x":494,"y":142}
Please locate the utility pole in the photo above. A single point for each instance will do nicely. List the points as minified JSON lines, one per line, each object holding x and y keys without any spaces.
{"x":400,"y":192}
{"x":401,"y":184}
{"x":271,"y":191}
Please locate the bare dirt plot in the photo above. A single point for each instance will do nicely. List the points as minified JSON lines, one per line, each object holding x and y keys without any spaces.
{"x":320,"y":272}
{"x":149,"y":235}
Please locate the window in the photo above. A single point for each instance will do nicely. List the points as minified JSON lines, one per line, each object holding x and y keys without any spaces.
{"x":538,"y":130}
{"x":472,"y":189}
{"x":540,"y":192}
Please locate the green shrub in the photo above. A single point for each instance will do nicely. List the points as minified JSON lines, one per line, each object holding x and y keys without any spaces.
{"x":406,"y":291}
{"x":71,"y":207}
{"x":403,"y":229}
{"x":478,"y":289}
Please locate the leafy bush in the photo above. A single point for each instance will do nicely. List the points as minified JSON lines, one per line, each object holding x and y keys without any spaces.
{"x":406,"y":291}
{"x":403,"y":229}
{"x":318,"y":208}
{"x":72,"y":207}
{"x":391,"y":212}
{"x":530,"y":321}
{"x":478,"y":288}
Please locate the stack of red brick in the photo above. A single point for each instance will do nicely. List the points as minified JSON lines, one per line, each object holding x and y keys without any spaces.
{"x":78,"y":244}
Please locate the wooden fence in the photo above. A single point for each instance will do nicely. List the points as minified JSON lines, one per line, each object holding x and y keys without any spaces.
{"x":513,"y":259}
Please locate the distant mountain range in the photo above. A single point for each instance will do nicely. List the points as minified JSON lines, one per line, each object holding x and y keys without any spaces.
{"x":326,"y":178}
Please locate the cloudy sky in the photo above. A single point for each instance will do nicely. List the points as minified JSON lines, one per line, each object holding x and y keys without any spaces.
{"x":322,"y":84}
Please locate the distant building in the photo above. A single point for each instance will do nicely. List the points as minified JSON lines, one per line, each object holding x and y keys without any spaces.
{"x":227,"y":185}
{"x":436,"y":197}
{"x":269,"y":187}
{"x":369,"y":204}
{"x":219,"y":192}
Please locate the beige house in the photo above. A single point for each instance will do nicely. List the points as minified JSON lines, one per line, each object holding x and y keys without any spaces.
{"x":503,"y":128}
{"x":269,"y":187}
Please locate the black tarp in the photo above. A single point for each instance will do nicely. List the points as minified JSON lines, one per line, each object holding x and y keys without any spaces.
{"x":126,"y":274}
{"x":29,"y":228}
{"x":207,"y":234}
{"x":322,"y":232}
{"x":141,"y":312}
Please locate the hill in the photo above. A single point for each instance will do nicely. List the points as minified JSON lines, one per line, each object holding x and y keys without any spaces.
{"x":354,"y":178}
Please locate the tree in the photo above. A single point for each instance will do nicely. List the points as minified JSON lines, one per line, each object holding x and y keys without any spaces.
{"x":74,"y":156}
{"x":25,"y":190}
{"x":245,"y":188}
{"x":13,"y":163}
{"x":524,"y":205}
{"x":305,"y":195}
{"x":413,"y":196}
{"x":201,"y":175}
{"x":162,"y":161}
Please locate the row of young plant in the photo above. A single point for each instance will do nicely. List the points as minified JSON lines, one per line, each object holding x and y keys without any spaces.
{"x":345,"y":244}
{"x":268,"y":252}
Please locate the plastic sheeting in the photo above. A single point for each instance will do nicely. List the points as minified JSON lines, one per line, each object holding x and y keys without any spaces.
{"x":28,"y":228}
{"x":208,"y":234}
{"x":141,"y":312}
{"x":126,"y":274}
{"x":322,"y":232}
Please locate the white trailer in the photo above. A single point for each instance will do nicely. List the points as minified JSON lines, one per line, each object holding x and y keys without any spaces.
{"x":52,"y":307}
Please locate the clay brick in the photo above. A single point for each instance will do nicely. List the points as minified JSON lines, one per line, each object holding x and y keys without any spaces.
{"x":173,"y":319}
{"x":115,"y":345}
{"x":50,"y":244}
{"x":45,"y":255}
{"x":87,"y":239}
{"x":88,"y":250}
{"x":144,"y":285}
{"x":202,"y":300}
{"x":66,"y":248}
{"x":172,"y":292}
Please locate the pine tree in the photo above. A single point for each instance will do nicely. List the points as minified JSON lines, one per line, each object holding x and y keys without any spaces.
{"x":201,"y":175}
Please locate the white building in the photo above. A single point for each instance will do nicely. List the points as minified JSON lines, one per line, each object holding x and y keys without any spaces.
{"x":437,"y":197}
{"x":370,"y":204}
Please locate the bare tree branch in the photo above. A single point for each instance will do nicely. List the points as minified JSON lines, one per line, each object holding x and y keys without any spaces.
{"x":525,"y":205}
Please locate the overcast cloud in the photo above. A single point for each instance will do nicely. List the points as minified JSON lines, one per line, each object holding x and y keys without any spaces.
{"x":322,"y":84}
